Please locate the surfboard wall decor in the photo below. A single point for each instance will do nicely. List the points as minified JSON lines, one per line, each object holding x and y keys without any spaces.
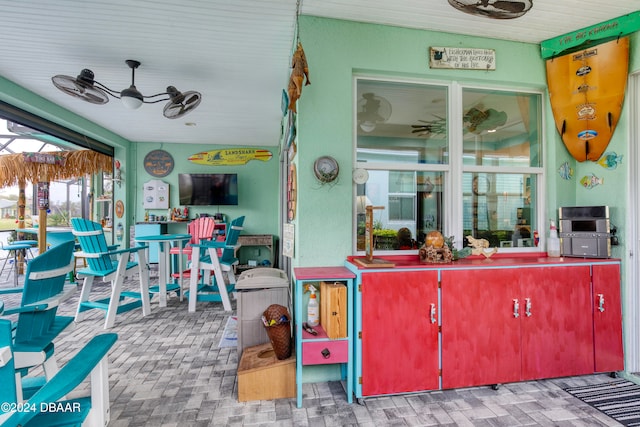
{"x":230,"y":156}
{"x":586,"y":91}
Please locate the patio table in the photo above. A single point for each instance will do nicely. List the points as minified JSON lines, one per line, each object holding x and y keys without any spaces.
{"x":165,"y":283}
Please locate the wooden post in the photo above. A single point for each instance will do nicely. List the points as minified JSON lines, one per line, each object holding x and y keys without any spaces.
{"x":43,"y":206}
{"x":42,"y":231}
{"x":22,"y":204}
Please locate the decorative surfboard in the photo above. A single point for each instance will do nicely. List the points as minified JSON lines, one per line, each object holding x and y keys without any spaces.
{"x":586,"y":91}
{"x":230,"y":156}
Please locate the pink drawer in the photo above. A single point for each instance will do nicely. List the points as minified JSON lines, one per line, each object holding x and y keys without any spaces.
{"x":338,"y":352}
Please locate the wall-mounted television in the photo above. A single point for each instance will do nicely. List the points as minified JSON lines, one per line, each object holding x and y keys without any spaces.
{"x":208,"y":189}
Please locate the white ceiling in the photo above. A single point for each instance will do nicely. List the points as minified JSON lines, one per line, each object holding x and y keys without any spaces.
{"x":236,"y":53}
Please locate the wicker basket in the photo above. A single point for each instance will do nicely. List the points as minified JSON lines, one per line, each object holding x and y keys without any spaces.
{"x":279,"y":332}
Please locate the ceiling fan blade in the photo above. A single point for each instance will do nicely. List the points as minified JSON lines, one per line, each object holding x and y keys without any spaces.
{"x":79,"y":89}
{"x":510,"y":6}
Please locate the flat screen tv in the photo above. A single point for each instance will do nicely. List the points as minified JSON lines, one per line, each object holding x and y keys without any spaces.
{"x":208,"y":189}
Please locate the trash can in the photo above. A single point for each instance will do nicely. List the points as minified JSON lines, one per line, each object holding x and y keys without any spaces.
{"x":257,"y":289}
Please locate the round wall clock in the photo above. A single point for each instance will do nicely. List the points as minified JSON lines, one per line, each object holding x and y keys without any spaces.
{"x":326,"y":169}
{"x":158,"y":163}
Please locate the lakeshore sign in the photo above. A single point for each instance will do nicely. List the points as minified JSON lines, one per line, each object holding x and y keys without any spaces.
{"x":462,"y":58}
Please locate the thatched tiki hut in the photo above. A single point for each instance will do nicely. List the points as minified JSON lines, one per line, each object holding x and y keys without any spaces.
{"x":17,"y":169}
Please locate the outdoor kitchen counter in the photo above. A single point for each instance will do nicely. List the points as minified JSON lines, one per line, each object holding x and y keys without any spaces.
{"x":525,"y":259}
{"x":483,"y":321}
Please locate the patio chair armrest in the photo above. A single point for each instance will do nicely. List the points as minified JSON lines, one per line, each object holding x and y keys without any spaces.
{"x":71,"y":375}
{"x":129,"y":250}
{"x":209,"y":244}
{"x":82,"y":254}
{"x":44,"y":304}
{"x":11,"y":291}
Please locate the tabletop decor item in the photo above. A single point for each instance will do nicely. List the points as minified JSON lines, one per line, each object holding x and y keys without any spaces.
{"x":277,"y":321}
{"x":481,"y":247}
{"x":435,"y":250}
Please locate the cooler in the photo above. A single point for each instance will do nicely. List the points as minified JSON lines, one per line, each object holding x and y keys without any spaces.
{"x":257,"y":289}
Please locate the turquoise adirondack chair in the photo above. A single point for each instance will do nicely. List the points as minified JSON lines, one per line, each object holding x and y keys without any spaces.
{"x":218,"y":257}
{"x":48,"y":406}
{"x":111,"y":265}
{"x":37,"y":322}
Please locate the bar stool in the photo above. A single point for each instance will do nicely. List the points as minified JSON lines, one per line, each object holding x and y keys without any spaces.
{"x":32,"y":243}
{"x":15,"y":247}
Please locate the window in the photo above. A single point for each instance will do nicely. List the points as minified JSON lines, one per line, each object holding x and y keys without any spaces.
{"x":461,"y":160}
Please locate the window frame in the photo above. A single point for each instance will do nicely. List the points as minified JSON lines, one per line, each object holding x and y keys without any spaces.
{"x":453,"y":171}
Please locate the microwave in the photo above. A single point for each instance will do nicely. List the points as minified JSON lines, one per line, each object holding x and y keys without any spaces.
{"x":584,"y":231}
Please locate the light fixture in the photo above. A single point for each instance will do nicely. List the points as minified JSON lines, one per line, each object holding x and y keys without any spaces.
{"x":496,"y":9}
{"x":372,"y":110}
{"x":85,"y":87}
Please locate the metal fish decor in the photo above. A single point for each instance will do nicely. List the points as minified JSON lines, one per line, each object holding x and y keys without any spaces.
{"x":610,"y":160}
{"x":565,"y":171}
{"x":589,"y":182}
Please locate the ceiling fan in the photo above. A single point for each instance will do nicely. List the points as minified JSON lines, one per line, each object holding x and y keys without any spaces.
{"x":85,"y":87}
{"x":372,"y":109}
{"x":496,"y":9}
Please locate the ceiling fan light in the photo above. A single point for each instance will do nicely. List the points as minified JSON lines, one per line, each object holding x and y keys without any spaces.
{"x":131,"y":98}
{"x":368,"y":126}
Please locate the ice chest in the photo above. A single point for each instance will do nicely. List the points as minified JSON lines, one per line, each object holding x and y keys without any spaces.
{"x":333,"y":309}
{"x":261,"y":376}
{"x":257,"y":289}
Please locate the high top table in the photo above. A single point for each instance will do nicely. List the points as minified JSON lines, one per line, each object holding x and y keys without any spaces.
{"x":55,"y":235}
{"x":165,"y":283}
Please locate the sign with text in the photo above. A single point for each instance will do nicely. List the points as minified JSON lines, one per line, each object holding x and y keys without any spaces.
{"x":462,"y":58}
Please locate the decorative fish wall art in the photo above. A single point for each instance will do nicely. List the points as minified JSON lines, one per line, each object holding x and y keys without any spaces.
{"x":610,"y":160}
{"x":565,"y":171}
{"x":589,"y":182}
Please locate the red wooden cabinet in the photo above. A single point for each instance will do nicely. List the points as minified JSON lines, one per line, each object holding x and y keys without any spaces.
{"x":515,"y":324}
{"x":607,"y":318}
{"x":557,"y":332}
{"x":399,"y":332}
{"x":480,"y":335}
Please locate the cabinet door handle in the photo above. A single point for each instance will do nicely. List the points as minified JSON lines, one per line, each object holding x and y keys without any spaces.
{"x":326,"y":353}
{"x":527,"y":307}
{"x":601,"y":303}
{"x":433,"y":313}
{"x":516,"y":308}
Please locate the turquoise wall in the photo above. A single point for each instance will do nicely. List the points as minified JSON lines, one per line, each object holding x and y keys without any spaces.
{"x":335,"y":51}
{"x":257,"y":185}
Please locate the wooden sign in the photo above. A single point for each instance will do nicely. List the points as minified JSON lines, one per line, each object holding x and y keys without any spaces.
{"x":230,"y":156}
{"x":462,"y":58}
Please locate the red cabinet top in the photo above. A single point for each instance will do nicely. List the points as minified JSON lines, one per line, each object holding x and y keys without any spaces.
{"x":322,"y":273}
{"x":525,"y":259}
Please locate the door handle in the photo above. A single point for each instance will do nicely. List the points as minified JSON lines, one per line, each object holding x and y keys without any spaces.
{"x":601,"y":303}
{"x":527,"y":307}
{"x":516,"y":308}
{"x":433,"y":313}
